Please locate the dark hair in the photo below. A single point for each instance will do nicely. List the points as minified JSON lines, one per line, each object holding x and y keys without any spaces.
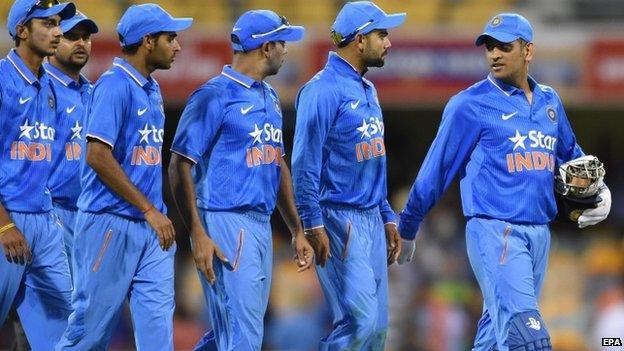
{"x":134,"y":48}
{"x":16,"y":39}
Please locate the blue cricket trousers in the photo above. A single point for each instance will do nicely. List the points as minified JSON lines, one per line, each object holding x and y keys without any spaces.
{"x":41,"y":290}
{"x":355,"y":279}
{"x":117,"y":258}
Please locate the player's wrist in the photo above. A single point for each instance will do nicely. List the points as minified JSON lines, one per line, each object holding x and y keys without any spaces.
{"x":147,"y":209}
{"x":6,"y":227}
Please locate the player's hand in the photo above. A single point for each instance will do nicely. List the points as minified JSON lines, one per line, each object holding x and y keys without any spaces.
{"x":304,"y":254}
{"x":15,"y":246}
{"x":162,"y":226}
{"x":596,"y":215}
{"x":204,"y":249}
{"x":393,"y":242}
{"x":407,"y":251}
{"x":319,"y":241}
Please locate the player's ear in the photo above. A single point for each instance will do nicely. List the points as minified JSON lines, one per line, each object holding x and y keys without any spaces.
{"x":21,"y":31}
{"x":266,"y":49}
{"x":360,"y":41}
{"x":148,"y":41}
{"x":530,"y":51}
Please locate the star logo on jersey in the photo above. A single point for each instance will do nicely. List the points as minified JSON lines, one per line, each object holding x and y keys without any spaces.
{"x":256,"y":134}
{"x":364,"y":129}
{"x":76,"y":129}
{"x":25,"y":130}
{"x":518,"y":140}
{"x":145,"y":133}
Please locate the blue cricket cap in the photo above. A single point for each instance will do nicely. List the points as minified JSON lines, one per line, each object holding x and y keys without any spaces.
{"x":145,"y":19}
{"x":255,"y":27}
{"x":362,"y":17}
{"x":79,"y":18}
{"x":506,"y":28}
{"x":23,"y":11}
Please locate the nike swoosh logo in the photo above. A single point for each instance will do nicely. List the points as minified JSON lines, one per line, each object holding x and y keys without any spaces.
{"x":354,"y":105}
{"x":70,"y":109}
{"x":140,"y":112}
{"x":245,"y":110}
{"x":235,"y":29}
{"x":506,"y":117}
{"x":23,"y":101}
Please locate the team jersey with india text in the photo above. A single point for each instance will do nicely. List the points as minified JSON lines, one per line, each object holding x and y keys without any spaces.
{"x":505,"y":149}
{"x":27,"y":135}
{"x":72,"y":99}
{"x":231,"y":129}
{"x":126,"y":112}
{"x":339,"y":155}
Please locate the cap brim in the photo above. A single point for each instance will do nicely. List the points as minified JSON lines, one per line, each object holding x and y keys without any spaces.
{"x":177,"y":25}
{"x":65,"y":10}
{"x":391,"y":21}
{"x":66,"y":26}
{"x":292,"y":33}
{"x":500,"y":36}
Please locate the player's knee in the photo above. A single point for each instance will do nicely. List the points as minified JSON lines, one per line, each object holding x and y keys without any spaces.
{"x":365,"y":322}
{"x":527,"y":332}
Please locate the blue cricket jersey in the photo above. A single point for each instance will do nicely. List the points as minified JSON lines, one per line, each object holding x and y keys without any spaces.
{"x":506,"y":151}
{"x":231,"y":129}
{"x":27,"y":134}
{"x":339,"y":155}
{"x":125,"y":112}
{"x":72,"y":99}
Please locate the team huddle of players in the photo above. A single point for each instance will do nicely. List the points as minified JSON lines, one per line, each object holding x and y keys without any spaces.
{"x":84,"y":228}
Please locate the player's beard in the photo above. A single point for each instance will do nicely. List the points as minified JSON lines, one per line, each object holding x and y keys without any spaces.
{"x":373,"y":59}
{"x":73,"y":64}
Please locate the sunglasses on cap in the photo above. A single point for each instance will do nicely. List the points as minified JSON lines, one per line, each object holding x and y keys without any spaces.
{"x":39,"y":5}
{"x":283,"y":26}
{"x":340,"y":39}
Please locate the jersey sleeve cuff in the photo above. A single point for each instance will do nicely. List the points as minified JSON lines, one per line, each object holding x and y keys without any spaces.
{"x":190,"y":158}
{"x":388,"y":217}
{"x":408,"y":230}
{"x":102,"y":139}
{"x":312,"y":222}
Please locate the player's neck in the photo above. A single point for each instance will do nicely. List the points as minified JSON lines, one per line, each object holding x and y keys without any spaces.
{"x":353,"y":58}
{"x":139,"y":63}
{"x":69,"y":71}
{"x":248,"y":66}
{"x":30,"y":58}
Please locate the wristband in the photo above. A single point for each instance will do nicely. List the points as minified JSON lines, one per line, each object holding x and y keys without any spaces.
{"x":7,"y":227}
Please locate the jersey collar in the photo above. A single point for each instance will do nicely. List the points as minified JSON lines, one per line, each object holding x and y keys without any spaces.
{"x":342,"y":66}
{"x":238,"y":77}
{"x":510,"y":89}
{"x":131,"y":72}
{"x":63,"y":78}
{"x":22,"y":69}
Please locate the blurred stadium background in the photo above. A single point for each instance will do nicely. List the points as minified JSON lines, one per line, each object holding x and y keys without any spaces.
{"x":434,"y":302}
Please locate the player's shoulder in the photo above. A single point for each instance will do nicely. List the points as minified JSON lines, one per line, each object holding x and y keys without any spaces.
{"x":548,"y":91}
{"x":322,"y":83}
{"x":472,"y":95}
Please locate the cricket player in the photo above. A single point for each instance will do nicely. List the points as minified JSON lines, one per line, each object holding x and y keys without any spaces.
{"x":339,"y":175}
{"x":123,"y":241}
{"x":34,"y":274}
{"x":73,"y":93}
{"x":505,"y":135}
{"x":228,"y":173}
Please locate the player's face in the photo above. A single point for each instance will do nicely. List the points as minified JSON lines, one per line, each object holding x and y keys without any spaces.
{"x":277,"y":55}
{"x":75,"y":48}
{"x":376,"y":45}
{"x":164,"y":50}
{"x":42,"y":36}
{"x":508,"y":61}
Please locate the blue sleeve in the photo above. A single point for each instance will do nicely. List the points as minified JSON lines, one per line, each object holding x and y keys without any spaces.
{"x":457,"y":137}
{"x":200,"y":122}
{"x":317,"y":107}
{"x":387,"y":213}
{"x":107,"y":109}
{"x":567,"y":148}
